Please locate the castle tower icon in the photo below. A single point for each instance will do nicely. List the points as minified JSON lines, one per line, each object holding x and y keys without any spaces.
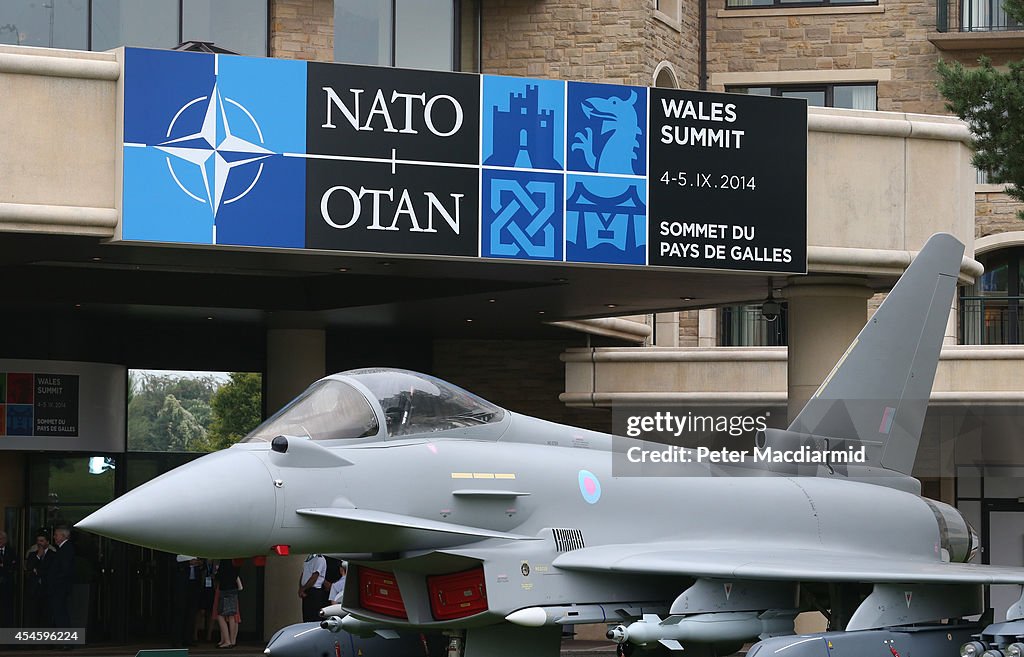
{"x":524,"y":135}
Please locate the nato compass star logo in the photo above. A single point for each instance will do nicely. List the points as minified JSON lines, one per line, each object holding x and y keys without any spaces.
{"x":219,"y":154}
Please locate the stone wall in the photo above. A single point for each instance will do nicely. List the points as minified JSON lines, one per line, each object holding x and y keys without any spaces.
{"x":888,"y":43}
{"x":591,"y":40}
{"x":891,"y":39}
{"x":678,"y":44}
{"x":688,"y":328}
{"x":995,"y":212}
{"x":302,"y":29}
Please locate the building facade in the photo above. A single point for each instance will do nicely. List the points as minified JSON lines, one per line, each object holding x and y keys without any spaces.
{"x":562,"y":343}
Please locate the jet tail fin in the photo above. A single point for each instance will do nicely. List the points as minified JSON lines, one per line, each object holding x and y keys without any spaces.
{"x":877,"y":394}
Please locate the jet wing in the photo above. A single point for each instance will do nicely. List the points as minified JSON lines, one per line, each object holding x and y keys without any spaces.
{"x":391,"y":532}
{"x":782,"y":563}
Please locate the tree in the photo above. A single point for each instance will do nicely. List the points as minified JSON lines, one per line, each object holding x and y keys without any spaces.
{"x":148,"y":394}
{"x":176,"y":428}
{"x":991,"y":102}
{"x":237,"y":408}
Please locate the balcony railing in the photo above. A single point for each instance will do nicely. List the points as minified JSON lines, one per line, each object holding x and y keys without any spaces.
{"x":992,"y":320}
{"x":974,"y":16}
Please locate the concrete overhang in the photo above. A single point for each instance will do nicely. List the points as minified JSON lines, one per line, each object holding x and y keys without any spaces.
{"x":982,"y":41}
{"x":740,"y":377}
{"x":878,"y":185}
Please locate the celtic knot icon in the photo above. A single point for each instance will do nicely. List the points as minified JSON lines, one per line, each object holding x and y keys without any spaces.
{"x":524,"y":213}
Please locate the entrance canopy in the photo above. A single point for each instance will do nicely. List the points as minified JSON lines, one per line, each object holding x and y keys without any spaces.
{"x":176,"y":192}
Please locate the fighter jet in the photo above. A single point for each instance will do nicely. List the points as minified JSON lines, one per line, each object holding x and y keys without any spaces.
{"x":462,"y":517}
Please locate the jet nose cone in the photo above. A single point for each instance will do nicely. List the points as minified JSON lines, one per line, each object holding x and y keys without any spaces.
{"x":221,"y":505}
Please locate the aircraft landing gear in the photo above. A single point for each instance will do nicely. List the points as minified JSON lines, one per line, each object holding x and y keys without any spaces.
{"x":456,"y":645}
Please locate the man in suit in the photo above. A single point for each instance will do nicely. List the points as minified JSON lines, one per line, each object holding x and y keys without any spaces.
{"x":186,"y":591}
{"x":8,"y":581}
{"x":61,"y":578}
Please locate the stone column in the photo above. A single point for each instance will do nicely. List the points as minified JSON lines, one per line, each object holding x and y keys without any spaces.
{"x":666,"y":329}
{"x":825,"y":314}
{"x":707,"y":330}
{"x":295,"y":358}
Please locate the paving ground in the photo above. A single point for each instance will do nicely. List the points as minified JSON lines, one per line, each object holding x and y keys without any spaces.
{"x":569,"y":649}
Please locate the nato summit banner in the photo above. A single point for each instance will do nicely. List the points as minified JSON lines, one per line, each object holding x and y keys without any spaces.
{"x":226,"y":150}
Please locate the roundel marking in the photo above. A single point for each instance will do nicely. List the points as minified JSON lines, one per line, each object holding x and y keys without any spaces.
{"x":590,"y":487}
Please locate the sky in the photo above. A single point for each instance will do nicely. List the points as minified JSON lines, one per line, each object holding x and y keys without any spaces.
{"x":220,"y":377}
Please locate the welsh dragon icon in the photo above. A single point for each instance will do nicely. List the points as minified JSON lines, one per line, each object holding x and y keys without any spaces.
{"x":619,"y":117}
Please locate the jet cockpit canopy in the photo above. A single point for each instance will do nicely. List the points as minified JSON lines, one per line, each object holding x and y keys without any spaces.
{"x":353,"y":404}
{"x":417,"y":403}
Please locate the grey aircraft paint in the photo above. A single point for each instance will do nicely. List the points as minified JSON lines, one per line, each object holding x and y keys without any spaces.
{"x":407,"y":475}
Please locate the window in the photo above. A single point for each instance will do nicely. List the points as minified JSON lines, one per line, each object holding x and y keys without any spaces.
{"x":742,"y":4}
{"x":665,"y":76}
{"x":985,"y":16}
{"x":440,"y":35}
{"x":670,"y":9}
{"x":237,"y":25}
{"x":745,"y":326}
{"x":848,"y":96}
{"x":178,"y":412}
{"x":49,"y":23}
{"x":126,"y":23}
{"x":992,"y":310}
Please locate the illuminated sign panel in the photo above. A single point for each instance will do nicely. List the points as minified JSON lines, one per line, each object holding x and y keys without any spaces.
{"x":226,"y":150}
{"x":728,"y":181}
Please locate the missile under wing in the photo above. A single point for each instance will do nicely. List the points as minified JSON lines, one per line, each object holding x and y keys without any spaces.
{"x":459,"y":516}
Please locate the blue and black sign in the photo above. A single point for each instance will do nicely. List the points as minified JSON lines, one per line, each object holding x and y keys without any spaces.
{"x":728,"y":181}
{"x":229,"y":150}
{"x":393,"y":164}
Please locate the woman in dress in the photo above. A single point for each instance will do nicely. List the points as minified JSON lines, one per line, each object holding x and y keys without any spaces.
{"x":226,"y":581}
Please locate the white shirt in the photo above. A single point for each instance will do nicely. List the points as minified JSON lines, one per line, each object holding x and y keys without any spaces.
{"x":337,"y":589}
{"x":315,"y":563}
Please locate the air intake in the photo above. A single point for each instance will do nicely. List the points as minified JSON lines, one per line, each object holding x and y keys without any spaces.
{"x":567,"y":539}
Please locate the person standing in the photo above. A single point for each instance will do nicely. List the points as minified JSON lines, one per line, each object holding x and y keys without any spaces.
{"x":8,"y":581}
{"x":37,"y":563}
{"x":338,"y":587}
{"x":311,"y":587}
{"x":61,"y":578}
{"x":187,"y":589}
{"x":227,"y":584}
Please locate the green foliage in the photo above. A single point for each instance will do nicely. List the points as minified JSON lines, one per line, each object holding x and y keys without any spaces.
{"x":177,"y":428}
{"x":191,"y":414}
{"x":991,"y":102}
{"x":237,"y":409}
{"x":1015,"y":9}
